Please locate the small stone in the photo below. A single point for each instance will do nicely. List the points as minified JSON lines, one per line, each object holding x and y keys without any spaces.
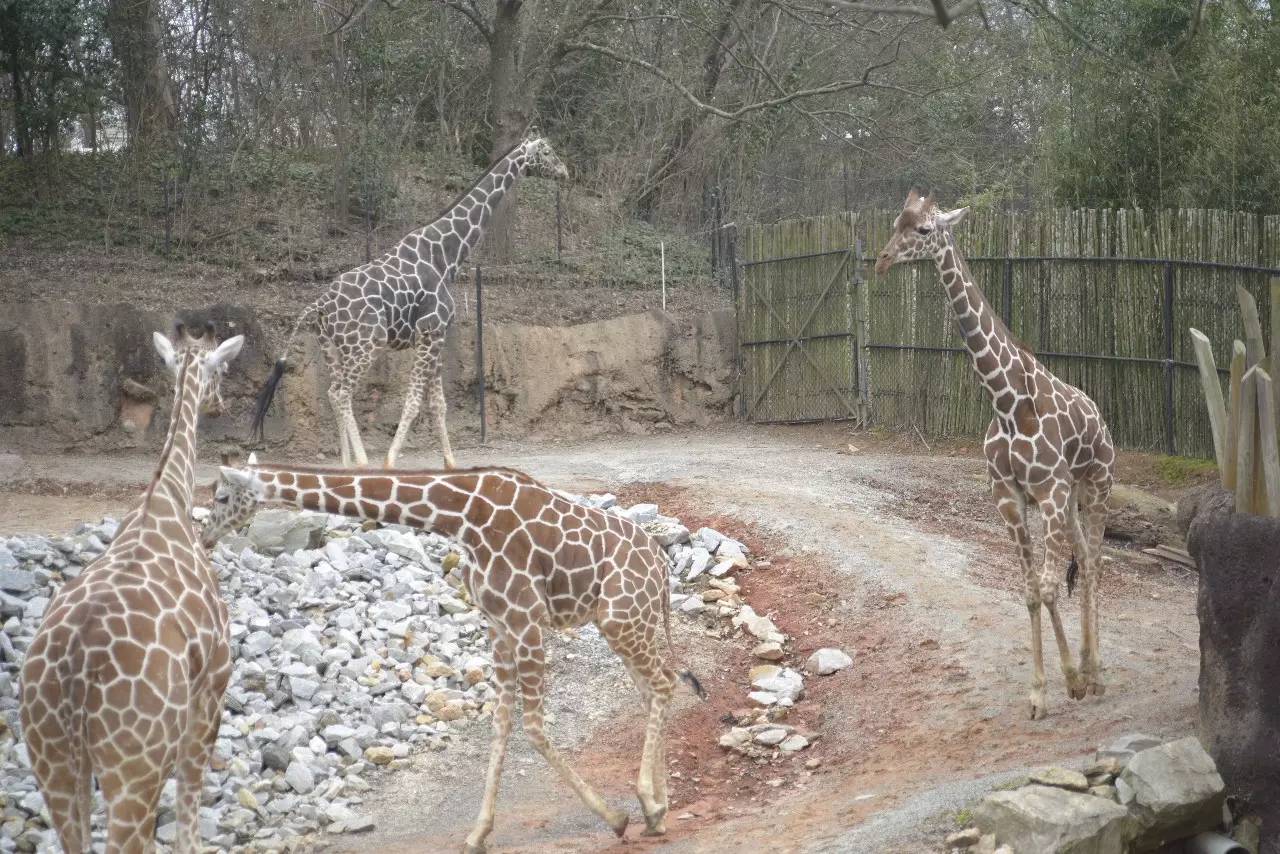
{"x":641,"y":513}
{"x":770,"y":736}
{"x":247,"y":799}
{"x":794,"y":742}
{"x":769,"y":651}
{"x":813,"y":763}
{"x":1105,"y":791}
{"x":828,"y":660}
{"x":1063,"y":778}
{"x":300,"y":778}
{"x":379,"y":755}
{"x":964,"y":838}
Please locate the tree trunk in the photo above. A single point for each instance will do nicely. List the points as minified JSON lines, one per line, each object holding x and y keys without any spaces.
{"x":150,"y":107}
{"x":721,"y":43}
{"x":510,"y":109}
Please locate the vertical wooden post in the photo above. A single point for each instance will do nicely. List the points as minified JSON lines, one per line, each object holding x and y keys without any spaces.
{"x":480,"y":354}
{"x":1246,"y":444}
{"x":863,"y":324}
{"x":1275,"y":338}
{"x":1233,"y":415}
{"x":559,"y":227}
{"x":1212,"y":396}
{"x":1170,"y":446}
{"x":1268,"y":448}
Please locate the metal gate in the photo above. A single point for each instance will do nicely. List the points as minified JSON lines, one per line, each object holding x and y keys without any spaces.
{"x":801,"y":331}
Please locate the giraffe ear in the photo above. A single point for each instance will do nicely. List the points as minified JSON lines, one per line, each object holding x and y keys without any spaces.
{"x":164,"y":347}
{"x":950,"y":218}
{"x":912,"y":198}
{"x":236,"y":478}
{"x":226,"y":351}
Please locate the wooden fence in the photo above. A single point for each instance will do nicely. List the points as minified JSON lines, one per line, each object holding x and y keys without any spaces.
{"x":1104,"y":296}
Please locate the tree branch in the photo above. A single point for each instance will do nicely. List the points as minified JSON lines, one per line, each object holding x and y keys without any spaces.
{"x":733,"y":115}
{"x":937,"y":9}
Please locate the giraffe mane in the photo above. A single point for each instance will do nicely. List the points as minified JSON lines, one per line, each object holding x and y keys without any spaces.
{"x":476,"y":182}
{"x":425,"y":472}
{"x":167,"y":450}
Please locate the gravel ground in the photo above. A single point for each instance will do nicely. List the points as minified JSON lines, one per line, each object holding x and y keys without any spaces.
{"x":931,"y":714}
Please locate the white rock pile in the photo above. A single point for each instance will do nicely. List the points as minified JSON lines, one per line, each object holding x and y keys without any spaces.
{"x":1139,"y":794}
{"x":353,"y":649}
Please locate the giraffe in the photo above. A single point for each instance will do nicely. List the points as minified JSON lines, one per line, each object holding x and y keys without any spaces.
{"x":402,"y":300}
{"x":125,"y":676}
{"x":1047,"y":444}
{"x":537,"y":561}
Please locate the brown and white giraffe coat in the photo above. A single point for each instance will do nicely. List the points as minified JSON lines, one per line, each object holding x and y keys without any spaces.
{"x":1047,"y":445}
{"x":402,"y":300}
{"x":537,"y":560}
{"x":125,"y":677}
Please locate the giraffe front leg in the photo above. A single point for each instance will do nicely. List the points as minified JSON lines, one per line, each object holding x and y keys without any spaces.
{"x":505,"y":677}
{"x":1059,"y":546}
{"x":344,"y":446}
{"x":1011,"y":501}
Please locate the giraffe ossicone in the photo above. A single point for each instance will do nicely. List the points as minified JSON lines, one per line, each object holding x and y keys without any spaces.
{"x":125,"y":677}
{"x":402,"y":300}
{"x":537,"y":561}
{"x":1046,"y":445}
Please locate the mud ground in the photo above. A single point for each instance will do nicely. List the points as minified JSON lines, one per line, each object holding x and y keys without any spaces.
{"x":892,"y":552}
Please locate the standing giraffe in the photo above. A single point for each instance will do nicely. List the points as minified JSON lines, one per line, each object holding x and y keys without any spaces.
{"x":402,"y":300}
{"x":125,"y":677}
{"x":1047,"y":443}
{"x":538,"y":561}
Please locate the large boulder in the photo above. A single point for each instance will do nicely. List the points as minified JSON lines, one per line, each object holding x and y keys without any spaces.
{"x":1048,"y":820}
{"x":278,"y":530}
{"x":1174,"y":791}
{"x":1239,"y":609}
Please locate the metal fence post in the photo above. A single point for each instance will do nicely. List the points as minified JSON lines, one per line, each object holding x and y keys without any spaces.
{"x":734,"y":273}
{"x":1170,"y":446}
{"x":480,"y":353}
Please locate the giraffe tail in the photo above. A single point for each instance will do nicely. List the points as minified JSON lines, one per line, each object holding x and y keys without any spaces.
{"x":1073,"y":571}
{"x":685,"y":675}
{"x":268,"y":392}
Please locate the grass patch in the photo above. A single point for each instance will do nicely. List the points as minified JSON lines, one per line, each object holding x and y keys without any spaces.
{"x":1178,"y":471}
{"x":964,"y":818}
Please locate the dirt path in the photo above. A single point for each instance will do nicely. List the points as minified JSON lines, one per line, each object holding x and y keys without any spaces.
{"x":900,"y":560}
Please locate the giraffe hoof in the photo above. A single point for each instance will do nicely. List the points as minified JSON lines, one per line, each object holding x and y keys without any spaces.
{"x":618,"y":821}
{"x":659,"y":829}
{"x":1094,"y":688}
{"x":655,"y":824}
{"x":1038,"y":709}
{"x":474,"y":848}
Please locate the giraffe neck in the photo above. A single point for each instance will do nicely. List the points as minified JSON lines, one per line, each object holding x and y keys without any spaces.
{"x":998,"y":359}
{"x":170,"y":494}
{"x":431,"y":501}
{"x":462,"y":226}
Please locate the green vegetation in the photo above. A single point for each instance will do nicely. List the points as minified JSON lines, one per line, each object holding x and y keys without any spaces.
{"x":1179,"y":471}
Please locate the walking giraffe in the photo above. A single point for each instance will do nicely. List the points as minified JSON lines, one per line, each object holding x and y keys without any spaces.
{"x":125,"y":677}
{"x":1047,"y":443}
{"x":537,"y":561}
{"x":402,"y":300}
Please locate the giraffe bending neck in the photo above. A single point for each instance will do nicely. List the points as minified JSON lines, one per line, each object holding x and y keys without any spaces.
{"x":438,"y":501}
{"x":999,"y":360}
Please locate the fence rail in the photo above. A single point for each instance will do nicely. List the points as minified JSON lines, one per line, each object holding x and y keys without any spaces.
{"x":1105,"y":298}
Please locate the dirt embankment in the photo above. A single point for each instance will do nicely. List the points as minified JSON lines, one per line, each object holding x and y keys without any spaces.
{"x":86,"y":376}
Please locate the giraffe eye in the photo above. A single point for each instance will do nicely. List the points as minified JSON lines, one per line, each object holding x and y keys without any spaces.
{"x":923,"y":229}
{"x":223,"y":499}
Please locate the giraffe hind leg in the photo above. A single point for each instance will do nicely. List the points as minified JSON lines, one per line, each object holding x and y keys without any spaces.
{"x":1060,"y":543}
{"x":530,"y":664}
{"x":1011,"y":501}
{"x":1094,"y":512}
{"x":656,"y":683}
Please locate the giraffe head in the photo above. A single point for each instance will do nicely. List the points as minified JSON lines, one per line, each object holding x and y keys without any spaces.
{"x":920,"y":231}
{"x":211,"y":358}
{"x":235,"y":500}
{"x":542,"y":161}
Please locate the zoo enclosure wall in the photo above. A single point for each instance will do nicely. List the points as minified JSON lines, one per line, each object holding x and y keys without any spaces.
{"x":1104,"y":297}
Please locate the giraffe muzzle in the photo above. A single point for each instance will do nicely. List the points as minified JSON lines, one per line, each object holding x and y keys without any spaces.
{"x":883,"y":263}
